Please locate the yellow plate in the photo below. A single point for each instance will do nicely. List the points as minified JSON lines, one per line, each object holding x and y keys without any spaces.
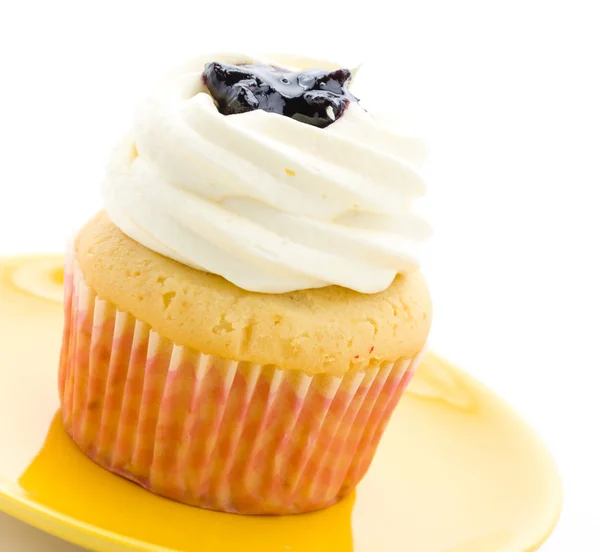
{"x":457,"y":470}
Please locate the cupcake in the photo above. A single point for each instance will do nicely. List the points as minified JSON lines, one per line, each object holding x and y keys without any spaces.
{"x":244,"y":315}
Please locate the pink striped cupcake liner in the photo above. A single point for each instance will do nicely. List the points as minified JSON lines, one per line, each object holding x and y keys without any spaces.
{"x":210,"y":432}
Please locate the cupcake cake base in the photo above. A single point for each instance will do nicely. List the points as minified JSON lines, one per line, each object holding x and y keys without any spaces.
{"x":210,"y":432}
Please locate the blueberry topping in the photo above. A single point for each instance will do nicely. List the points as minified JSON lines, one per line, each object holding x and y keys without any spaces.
{"x":316,"y":97}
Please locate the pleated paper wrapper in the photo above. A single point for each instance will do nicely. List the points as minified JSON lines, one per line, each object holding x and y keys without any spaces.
{"x":210,"y":432}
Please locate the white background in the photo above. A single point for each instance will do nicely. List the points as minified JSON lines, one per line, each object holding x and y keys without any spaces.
{"x":508,"y":94}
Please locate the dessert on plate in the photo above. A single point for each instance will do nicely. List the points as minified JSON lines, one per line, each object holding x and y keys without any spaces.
{"x":244,"y":314}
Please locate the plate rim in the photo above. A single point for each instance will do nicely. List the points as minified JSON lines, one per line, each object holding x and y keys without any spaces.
{"x":15,"y":503}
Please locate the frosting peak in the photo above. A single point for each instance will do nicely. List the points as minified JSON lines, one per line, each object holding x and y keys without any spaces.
{"x":269,"y":203}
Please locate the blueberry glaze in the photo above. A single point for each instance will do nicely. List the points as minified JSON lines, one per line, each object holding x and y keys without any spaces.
{"x":316,"y":97}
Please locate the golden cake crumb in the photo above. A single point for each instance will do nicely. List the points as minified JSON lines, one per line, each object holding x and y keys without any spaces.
{"x":329,"y":330}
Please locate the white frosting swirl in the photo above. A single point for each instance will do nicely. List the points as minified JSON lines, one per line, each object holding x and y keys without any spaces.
{"x":269,"y":203}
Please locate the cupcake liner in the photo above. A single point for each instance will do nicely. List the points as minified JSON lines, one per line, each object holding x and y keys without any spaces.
{"x":210,"y":432}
